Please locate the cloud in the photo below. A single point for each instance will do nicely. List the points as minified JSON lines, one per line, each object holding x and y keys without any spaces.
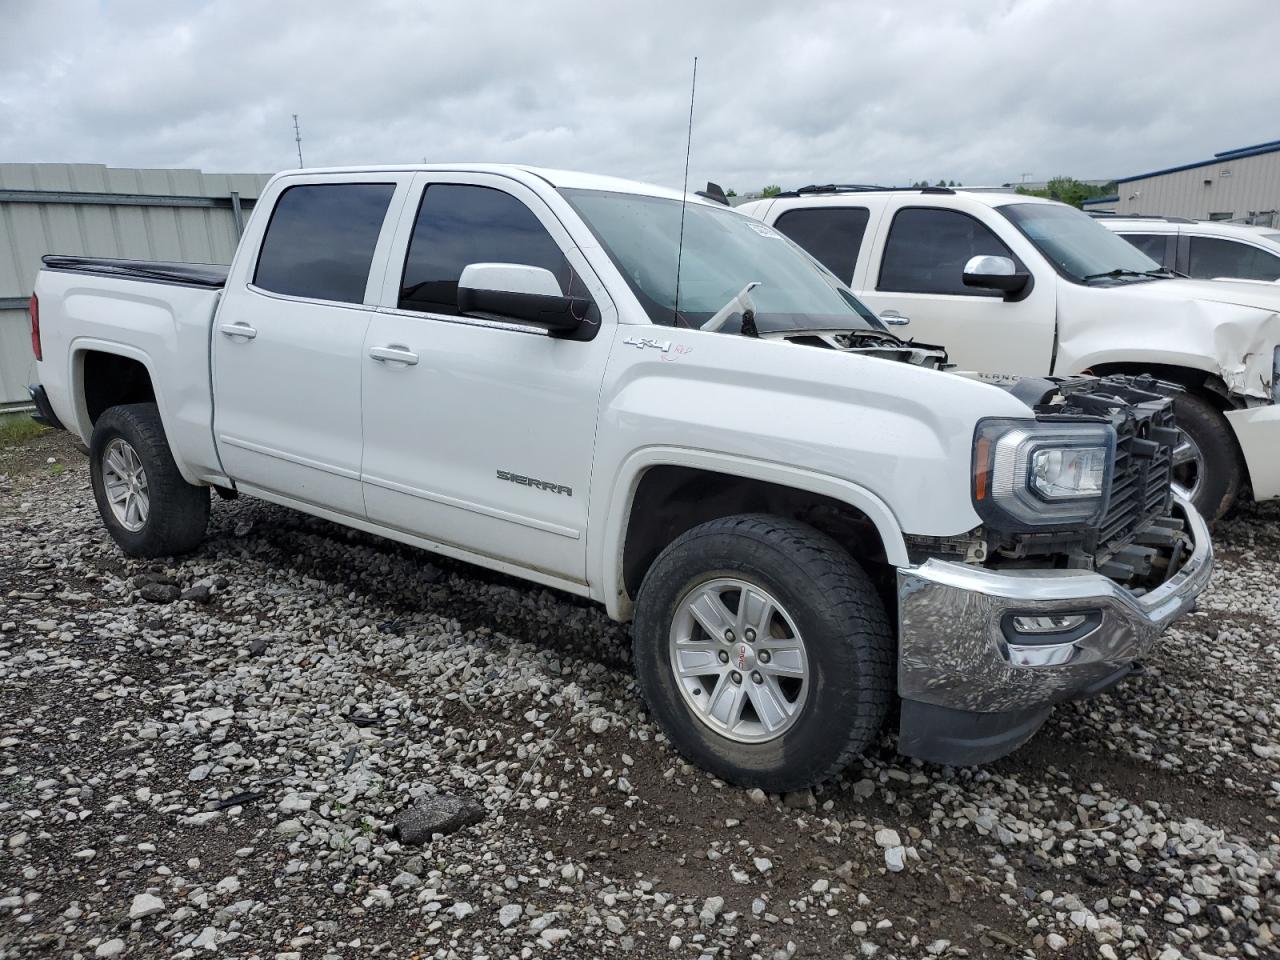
{"x":980,"y":91}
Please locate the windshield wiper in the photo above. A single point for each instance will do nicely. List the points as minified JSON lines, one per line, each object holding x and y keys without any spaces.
{"x":741,"y":303}
{"x":1160,"y":273}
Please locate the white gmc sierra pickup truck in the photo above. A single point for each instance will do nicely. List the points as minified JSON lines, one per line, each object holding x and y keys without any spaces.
{"x":530,"y":370}
{"x":1012,"y":284}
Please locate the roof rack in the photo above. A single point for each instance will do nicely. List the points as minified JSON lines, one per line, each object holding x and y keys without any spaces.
{"x":1112,"y":215}
{"x":857,"y":188}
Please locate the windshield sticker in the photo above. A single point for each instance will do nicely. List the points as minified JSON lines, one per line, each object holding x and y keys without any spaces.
{"x":763,"y":230}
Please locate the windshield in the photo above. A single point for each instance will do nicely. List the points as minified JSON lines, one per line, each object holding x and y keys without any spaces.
{"x":723,"y":252}
{"x":1077,"y":245}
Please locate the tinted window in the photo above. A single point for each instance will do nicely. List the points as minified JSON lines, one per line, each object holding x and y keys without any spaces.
{"x":928,"y":248}
{"x":1211,"y":257}
{"x":320,"y":240}
{"x":832,"y":234}
{"x":458,"y":225}
{"x":1152,"y":244}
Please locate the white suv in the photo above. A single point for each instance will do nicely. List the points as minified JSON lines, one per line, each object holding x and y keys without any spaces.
{"x":1013,"y":284}
{"x":1204,"y":249}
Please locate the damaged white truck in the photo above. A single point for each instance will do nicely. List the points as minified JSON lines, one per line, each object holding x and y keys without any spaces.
{"x":808,"y":522}
{"x":1012,"y":284}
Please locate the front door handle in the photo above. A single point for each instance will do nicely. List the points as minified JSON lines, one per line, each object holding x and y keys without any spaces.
{"x":895,"y":318}
{"x":394,"y":353}
{"x":237,"y":329}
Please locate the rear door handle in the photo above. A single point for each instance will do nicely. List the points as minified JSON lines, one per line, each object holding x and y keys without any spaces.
{"x":394,"y":353}
{"x":894,"y":317}
{"x":237,"y":329}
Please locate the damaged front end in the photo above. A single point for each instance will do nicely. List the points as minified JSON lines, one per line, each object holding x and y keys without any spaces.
{"x":997,"y":626}
{"x":1134,"y":537}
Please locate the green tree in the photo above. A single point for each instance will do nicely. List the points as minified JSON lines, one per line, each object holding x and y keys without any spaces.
{"x":771,"y":191}
{"x":731,"y":192}
{"x":1070,"y":190}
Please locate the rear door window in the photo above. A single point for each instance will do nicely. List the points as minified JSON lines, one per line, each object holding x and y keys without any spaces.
{"x":832,"y":235}
{"x":1213,"y":257}
{"x":461,"y":224}
{"x":320,"y":241}
{"x":928,"y":247}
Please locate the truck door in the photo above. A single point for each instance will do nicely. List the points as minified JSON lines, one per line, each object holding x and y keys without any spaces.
{"x":914,"y":283}
{"x":479,"y":434}
{"x":287,"y":339}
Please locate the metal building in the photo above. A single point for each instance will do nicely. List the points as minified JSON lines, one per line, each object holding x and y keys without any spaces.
{"x":1241,"y":185}
{"x":98,"y":211}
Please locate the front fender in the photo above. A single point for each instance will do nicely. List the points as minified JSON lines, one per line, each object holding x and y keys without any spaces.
{"x":1231,"y":341}
{"x":627,"y":481}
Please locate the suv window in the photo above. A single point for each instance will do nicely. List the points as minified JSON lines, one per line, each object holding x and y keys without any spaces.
{"x":1213,"y":257}
{"x":320,"y":240}
{"x":833,"y":235}
{"x":928,"y":248}
{"x":460,"y":224}
{"x":1152,"y":244}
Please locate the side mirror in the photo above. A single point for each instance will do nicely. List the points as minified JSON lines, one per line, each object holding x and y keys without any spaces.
{"x":995,"y":273}
{"x":520,"y":293}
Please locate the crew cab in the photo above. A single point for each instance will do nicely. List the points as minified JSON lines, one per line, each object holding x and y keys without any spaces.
{"x":1015,"y":284}
{"x":647,"y":399}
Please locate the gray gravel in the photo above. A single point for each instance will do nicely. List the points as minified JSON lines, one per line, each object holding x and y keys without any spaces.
{"x":210,"y":757}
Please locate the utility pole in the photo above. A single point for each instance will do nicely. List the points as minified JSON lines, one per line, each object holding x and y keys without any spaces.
{"x":297,"y":138}
{"x":1024,"y":176}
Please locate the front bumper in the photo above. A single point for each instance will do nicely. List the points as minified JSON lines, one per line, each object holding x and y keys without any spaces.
{"x":1257,"y":431}
{"x":971,"y":693}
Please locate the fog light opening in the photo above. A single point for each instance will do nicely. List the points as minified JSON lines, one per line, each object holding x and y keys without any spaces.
{"x":1030,"y":629}
{"x":1055,"y":623}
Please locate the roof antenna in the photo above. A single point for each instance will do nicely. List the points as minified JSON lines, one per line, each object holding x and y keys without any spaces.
{"x":684,"y":193}
{"x":297,"y":137}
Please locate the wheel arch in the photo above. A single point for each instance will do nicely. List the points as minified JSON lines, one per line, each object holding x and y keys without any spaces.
{"x":94,"y":366}
{"x":662,"y":492}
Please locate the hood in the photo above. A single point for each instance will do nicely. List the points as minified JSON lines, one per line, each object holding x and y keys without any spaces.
{"x":1242,"y":293}
{"x":1229,"y":330}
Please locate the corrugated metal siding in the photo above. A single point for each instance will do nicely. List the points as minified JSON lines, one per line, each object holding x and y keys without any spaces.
{"x":30,"y":230}
{"x":1252,"y":186}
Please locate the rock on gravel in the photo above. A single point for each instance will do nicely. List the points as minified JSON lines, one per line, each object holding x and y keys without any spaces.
{"x":144,"y":905}
{"x":159,"y":592}
{"x":441,"y":814}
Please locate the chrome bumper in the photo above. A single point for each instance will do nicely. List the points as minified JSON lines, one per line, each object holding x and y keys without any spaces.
{"x":954,"y":652}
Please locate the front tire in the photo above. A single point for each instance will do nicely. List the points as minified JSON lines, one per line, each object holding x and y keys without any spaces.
{"x":148,"y":509}
{"x":763,"y":651}
{"x":1207,"y":466}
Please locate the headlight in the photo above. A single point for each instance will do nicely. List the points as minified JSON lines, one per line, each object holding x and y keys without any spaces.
{"x":1031,"y":476}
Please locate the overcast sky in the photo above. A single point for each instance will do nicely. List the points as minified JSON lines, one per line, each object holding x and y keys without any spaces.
{"x":793,"y":92}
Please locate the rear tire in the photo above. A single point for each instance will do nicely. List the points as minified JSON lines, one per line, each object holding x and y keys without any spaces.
{"x":833,"y":661}
{"x":148,"y":509}
{"x":1211,"y":469}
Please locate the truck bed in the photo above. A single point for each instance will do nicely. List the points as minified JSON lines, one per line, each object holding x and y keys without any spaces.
{"x":209,"y":276}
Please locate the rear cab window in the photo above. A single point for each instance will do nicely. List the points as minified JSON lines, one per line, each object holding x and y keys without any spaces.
{"x":320,"y":241}
{"x":832,"y":235}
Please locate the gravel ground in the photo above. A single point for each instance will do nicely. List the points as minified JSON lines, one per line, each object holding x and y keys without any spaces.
{"x":209,"y":758}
